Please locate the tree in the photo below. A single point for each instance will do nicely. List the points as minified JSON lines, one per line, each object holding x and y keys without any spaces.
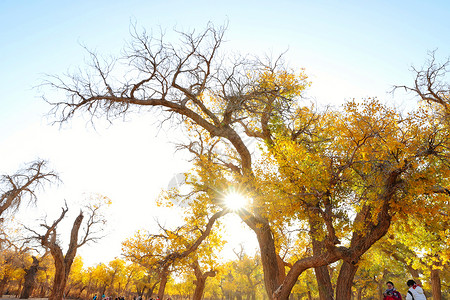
{"x":49,"y":240}
{"x":75,"y":283}
{"x":194,"y":83}
{"x":162,"y":251}
{"x":23,"y":184}
{"x":30,"y":276}
{"x":363,"y":159}
{"x":13,"y":257}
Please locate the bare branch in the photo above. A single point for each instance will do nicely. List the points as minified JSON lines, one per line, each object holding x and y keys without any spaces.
{"x":23,"y":184}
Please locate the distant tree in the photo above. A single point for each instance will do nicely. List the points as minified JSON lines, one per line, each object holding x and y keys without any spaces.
{"x":21,"y":186}
{"x":30,"y":276}
{"x":63,"y":261}
{"x":163,"y":250}
{"x":13,"y":258}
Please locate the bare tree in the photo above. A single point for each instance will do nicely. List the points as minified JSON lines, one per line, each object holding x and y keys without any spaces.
{"x":63,"y":261}
{"x":14,"y":189}
{"x":431,"y":82}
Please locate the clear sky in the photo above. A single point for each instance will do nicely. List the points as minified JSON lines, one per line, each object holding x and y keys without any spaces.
{"x":350,"y":49}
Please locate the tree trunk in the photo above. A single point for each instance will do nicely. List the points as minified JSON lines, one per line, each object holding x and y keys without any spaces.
{"x":199,"y":288}
{"x":359,"y":296}
{"x":200,"y":280}
{"x":162,"y":283}
{"x":309,"y":295}
{"x":269,"y":259}
{"x":324,"y":283}
{"x":3,"y":283}
{"x":436,"y":284}
{"x":414,"y":273}
{"x":59,"y":283}
{"x":80,"y":292}
{"x":149,"y":292}
{"x":345,"y":281}
{"x":322,"y":275}
{"x":63,"y":263}
{"x":238,"y":295}
{"x":68,"y":291}
{"x":30,"y":279}
{"x":42,"y":291}
{"x":19,"y":288}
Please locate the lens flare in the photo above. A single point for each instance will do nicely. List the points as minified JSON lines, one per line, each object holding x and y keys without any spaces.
{"x":235,"y":201}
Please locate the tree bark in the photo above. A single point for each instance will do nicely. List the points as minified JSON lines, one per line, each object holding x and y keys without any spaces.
{"x":63,"y":263}
{"x":322,"y":275}
{"x":200,"y":281}
{"x":324,"y":283}
{"x":345,"y":281}
{"x":436,"y":284}
{"x":30,"y":279}
{"x":162,"y":283}
{"x":269,"y":257}
{"x":59,"y":282}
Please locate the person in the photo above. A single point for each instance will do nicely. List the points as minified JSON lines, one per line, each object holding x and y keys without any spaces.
{"x":391,"y":293}
{"x":415,"y":292}
{"x":95,"y":297}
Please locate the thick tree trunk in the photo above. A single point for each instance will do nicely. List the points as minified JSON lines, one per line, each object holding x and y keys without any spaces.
{"x":30,"y":279}
{"x":59,"y":283}
{"x":162,"y":283}
{"x":199,"y":288}
{"x":200,"y":281}
{"x":149,"y":292}
{"x":436,"y":284}
{"x":345,"y":281}
{"x":269,"y":259}
{"x":63,"y":263}
{"x":324,"y":283}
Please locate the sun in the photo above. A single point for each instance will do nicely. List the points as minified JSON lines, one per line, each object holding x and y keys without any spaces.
{"x":235,"y":201}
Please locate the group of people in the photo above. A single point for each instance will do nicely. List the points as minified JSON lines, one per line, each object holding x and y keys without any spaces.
{"x":108,"y":298}
{"x":122,"y":298}
{"x":415,"y":292}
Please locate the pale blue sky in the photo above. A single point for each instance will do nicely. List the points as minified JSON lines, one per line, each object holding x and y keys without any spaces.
{"x":349,"y":49}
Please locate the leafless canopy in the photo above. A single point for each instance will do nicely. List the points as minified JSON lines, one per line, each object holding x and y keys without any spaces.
{"x":430,"y":83}
{"x":16,"y":188}
{"x":191,"y":80}
{"x":49,"y":237}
